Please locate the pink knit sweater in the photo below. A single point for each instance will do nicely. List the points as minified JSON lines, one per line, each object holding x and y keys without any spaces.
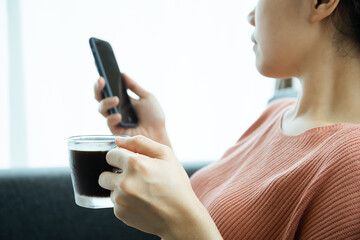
{"x":273,"y":186}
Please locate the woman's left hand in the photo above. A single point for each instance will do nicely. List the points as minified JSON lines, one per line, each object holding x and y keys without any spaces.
{"x":153,"y":193}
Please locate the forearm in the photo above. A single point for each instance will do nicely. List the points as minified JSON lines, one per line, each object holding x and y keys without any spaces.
{"x":194,"y":223}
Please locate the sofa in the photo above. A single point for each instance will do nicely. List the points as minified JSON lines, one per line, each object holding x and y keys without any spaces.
{"x":39,"y":204}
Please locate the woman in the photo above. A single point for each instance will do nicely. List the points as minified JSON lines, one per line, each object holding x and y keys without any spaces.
{"x":294,"y":174}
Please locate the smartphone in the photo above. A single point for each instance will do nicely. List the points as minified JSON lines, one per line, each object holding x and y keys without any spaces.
{"x":115,"y":84}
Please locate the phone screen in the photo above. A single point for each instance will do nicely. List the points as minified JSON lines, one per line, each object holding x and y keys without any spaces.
{"x":116,"y":82}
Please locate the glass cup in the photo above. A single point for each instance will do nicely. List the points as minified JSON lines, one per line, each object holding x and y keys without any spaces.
{"x":87,"y":156}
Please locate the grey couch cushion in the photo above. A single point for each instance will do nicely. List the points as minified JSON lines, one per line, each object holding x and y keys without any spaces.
{"x":39,"y":204}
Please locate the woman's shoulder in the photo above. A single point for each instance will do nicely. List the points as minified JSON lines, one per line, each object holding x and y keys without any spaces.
{"x":334,"y":190}
{"x":345,"y":141}
{"x":338,"y":155}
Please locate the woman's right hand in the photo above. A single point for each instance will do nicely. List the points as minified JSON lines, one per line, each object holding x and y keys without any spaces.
{"x":151,"y":116}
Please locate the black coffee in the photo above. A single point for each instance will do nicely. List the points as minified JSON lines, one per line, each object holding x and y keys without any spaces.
{"x":87,"y":167}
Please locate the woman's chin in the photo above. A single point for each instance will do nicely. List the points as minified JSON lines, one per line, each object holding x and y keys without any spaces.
{"x":264,"y":70}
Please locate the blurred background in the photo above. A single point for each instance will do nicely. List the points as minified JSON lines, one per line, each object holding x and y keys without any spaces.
{"x":195,"y":55}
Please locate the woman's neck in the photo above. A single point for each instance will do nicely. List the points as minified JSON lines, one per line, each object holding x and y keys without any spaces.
{"x":330,"y":94}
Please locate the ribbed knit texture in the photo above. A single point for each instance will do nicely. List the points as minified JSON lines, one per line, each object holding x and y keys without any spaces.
{"x":273,"y":186}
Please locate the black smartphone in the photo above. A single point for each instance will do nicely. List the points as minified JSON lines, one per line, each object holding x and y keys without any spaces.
{"x":114,"y":82}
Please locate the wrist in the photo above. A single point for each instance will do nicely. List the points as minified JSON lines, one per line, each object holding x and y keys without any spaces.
{"x":163,"y":138}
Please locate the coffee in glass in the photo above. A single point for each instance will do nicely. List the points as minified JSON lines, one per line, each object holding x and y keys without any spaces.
{"x":87,"y":155}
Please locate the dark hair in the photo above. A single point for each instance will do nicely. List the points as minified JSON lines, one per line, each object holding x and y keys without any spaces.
{"x":346,"y":19}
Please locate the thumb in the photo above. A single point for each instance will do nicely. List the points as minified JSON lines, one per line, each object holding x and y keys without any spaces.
{"x":143,"y":145}
{"x":135,"y":87}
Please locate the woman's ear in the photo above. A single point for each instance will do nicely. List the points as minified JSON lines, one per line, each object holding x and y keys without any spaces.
{"x":322,"y":9}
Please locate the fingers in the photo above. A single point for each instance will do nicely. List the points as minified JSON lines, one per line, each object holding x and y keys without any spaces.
{"x":108,"y":180}
{"x":143,"y":145}
{"x":107,"y":104}
{"x":98,"y":87}
{"x":113,"y":120}
{"x":118,"y":158}
{"x":136,"y":88}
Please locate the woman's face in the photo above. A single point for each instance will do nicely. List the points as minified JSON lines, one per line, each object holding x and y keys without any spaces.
{"x":283,"y":36}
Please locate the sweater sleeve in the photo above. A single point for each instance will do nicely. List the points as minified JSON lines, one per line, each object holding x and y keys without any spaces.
{"x":334,"y":212}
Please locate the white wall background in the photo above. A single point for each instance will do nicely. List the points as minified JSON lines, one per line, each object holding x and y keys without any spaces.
{"x":4,"y":96}
{"x":194,"y":55}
